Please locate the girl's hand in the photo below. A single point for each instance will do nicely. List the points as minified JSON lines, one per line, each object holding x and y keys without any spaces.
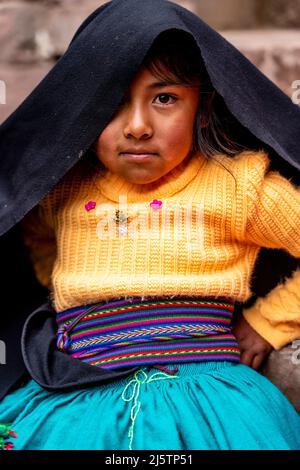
{"x":254,"y":348}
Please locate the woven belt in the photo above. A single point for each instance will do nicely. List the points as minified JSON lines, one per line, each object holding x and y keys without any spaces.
{"x":159,"y":330}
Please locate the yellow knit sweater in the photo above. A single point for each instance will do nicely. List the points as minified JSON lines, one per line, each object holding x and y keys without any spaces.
{"x":202,"y":238}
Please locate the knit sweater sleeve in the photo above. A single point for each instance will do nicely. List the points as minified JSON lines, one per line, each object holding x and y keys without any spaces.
{"x":276,"y":317}
{"x":273,"y":222}
{"x":39,"y":237}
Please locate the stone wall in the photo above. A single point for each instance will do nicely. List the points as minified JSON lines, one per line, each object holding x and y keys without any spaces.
{"x":228,"y":14}
{"x":35,"y":33}
{"x":280,"y":13}
{"x":249,"y":14}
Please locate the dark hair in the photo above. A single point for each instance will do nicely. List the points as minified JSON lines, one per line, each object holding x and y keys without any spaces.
{"x":174,"y":56}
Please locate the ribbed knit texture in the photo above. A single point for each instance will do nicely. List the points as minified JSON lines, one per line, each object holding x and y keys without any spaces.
{"x":277,"y":316}
{"x":132,"y":332}
{"x":230,"y":213}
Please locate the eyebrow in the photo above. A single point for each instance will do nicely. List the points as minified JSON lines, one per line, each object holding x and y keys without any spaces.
{"x":165,"y":83}
{"x":162,"y":84}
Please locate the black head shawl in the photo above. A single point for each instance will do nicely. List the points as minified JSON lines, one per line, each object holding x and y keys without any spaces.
{"x":57,"y":123}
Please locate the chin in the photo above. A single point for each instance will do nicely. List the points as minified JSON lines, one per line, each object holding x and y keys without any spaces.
{"x":146,"y":180}
{"x":139,"y":179}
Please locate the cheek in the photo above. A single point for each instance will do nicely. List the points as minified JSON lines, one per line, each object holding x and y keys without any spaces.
{"x":106,"y":139}
{"x":179,"y":135}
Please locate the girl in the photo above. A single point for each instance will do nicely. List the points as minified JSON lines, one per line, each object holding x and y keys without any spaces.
{"x":148,"y":242}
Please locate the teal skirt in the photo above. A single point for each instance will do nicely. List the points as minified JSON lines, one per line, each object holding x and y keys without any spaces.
{"x":203,"y":406}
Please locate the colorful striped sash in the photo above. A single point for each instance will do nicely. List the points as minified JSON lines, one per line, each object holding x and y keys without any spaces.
{"x":158,"y":330}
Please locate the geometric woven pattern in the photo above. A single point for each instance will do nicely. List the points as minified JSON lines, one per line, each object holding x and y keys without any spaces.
{"x":129,"y":332}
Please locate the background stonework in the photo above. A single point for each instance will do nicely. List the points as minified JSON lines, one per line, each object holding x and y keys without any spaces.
{"x":281,"y":14}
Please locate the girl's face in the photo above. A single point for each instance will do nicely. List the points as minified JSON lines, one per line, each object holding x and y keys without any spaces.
{"x":152,"y":131}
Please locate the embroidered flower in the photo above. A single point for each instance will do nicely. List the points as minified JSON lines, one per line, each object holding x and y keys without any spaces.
{"x":155,"y":204}
{"x":6,"y":433}
{"x":90,"y":205}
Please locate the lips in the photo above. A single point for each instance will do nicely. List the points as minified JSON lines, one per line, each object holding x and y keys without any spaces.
{"x":133,"y":151}
{"x":140,"y":155}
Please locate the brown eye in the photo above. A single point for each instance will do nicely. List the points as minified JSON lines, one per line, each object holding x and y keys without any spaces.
{"x":165,"y":98}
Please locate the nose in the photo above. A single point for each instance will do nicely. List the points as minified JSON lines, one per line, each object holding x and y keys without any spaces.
{"x":137,"y":123}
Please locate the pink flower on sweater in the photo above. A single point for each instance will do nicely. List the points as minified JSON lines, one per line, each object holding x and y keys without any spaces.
{"x":90,"y":205}
{"x":155,"y":204}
